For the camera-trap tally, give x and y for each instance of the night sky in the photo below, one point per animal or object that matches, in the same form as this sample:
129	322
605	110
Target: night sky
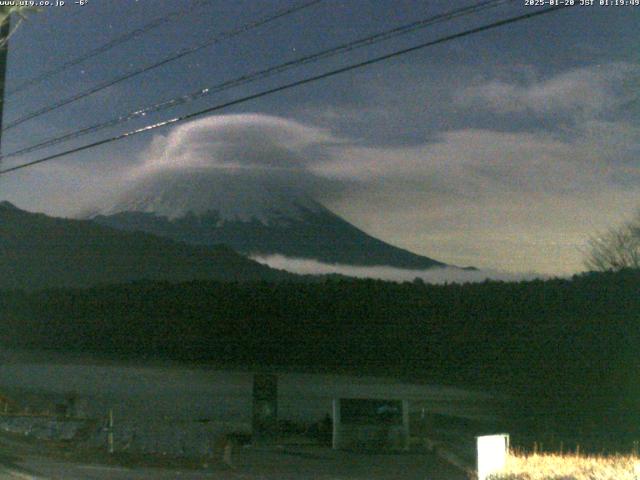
504	150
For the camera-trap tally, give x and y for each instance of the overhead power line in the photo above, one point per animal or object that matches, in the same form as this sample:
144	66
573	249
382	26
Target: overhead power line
262	74
287	86
23	85
175	56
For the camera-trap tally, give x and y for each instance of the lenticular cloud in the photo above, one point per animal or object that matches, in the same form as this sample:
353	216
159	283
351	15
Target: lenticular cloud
239	165
246	141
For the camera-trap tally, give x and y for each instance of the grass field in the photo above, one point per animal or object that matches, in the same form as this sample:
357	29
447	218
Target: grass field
570	467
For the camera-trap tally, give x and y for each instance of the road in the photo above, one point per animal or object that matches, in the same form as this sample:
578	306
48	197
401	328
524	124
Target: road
251	464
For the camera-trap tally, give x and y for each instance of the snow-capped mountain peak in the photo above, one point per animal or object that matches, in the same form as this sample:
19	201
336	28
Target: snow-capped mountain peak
252	213
230	198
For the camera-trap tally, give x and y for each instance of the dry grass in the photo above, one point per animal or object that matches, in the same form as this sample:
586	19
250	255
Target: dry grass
570	467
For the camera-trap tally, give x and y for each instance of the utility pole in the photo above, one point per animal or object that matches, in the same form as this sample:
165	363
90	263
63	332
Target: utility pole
5	32
4	51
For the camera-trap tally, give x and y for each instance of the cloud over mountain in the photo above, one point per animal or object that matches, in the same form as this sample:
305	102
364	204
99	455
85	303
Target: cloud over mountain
236	142
241	162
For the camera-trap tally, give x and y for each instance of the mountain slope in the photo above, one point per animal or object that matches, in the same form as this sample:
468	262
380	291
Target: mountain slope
321	236
37	251
254	216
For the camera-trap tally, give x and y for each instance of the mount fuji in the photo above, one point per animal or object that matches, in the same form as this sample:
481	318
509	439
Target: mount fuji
254	214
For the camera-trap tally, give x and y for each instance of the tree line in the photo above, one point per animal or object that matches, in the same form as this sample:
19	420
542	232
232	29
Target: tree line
564	346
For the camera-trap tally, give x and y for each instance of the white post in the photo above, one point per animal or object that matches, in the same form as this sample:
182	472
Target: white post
492	454
336	424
